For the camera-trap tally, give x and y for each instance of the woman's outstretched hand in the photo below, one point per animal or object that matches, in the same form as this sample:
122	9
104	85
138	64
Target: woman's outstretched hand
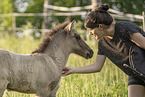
66	71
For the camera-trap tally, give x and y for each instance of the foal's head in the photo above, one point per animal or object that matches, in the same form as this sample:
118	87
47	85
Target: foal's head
75	44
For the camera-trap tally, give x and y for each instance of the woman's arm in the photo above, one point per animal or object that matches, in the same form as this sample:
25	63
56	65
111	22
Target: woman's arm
96	67
138	39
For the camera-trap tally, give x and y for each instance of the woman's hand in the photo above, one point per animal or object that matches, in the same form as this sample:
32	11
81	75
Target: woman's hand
66	71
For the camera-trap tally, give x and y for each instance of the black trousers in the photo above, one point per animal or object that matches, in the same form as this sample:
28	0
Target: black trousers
135	81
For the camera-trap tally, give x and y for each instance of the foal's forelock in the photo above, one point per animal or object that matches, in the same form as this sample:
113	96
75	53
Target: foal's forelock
45	42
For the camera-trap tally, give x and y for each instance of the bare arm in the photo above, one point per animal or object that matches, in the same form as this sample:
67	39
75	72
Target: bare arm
138	39
96	67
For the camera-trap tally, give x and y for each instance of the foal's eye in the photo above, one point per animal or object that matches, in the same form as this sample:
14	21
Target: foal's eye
78	37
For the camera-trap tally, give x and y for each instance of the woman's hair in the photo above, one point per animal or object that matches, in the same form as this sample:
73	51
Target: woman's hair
98	16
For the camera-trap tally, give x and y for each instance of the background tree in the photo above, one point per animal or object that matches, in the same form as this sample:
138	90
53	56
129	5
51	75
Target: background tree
33	6
36	6
127	6
6	6
69	3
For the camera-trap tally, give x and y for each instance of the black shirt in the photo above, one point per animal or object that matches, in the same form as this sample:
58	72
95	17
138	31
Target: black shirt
117	49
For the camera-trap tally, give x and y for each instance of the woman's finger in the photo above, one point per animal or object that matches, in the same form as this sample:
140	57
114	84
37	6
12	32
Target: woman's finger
65	73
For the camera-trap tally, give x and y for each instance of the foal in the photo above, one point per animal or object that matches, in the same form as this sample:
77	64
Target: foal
40	74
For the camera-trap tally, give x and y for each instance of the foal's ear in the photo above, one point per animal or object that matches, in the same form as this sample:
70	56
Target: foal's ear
70	26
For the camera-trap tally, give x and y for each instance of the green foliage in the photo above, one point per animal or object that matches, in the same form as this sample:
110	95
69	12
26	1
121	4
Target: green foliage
34	6
18	45
5	8
70	3
110	82
126	6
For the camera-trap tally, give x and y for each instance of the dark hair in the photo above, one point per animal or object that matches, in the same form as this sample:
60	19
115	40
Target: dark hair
98	16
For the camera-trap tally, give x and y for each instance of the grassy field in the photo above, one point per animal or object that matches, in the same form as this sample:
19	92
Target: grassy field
110	82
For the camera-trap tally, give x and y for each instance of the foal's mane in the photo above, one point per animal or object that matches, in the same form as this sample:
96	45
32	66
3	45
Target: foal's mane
49	37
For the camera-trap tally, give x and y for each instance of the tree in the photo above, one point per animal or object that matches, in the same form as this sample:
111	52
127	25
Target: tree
36	6
6	6
69	3
33	6
126	6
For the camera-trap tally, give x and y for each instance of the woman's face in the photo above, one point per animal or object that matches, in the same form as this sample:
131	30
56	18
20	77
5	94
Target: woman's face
96	32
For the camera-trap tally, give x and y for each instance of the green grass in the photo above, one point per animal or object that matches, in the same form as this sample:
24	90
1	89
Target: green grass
110	82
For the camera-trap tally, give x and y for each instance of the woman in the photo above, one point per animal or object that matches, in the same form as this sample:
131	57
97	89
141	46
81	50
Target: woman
115	42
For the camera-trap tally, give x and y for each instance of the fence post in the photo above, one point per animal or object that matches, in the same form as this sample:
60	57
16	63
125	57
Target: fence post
45	21
14	23
143	13
94	3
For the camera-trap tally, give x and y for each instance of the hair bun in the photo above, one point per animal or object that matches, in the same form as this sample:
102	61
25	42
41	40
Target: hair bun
102	8
105	7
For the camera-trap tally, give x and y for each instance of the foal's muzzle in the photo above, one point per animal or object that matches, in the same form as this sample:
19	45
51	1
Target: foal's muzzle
89	54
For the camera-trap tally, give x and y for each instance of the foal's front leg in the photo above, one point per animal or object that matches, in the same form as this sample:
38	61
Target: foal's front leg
43	92
3	86
47	92
3	82
54	91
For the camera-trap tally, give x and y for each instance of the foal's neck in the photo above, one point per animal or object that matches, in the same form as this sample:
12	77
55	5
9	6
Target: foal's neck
57	50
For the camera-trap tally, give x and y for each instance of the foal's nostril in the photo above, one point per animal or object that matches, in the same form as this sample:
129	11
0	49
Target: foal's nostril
91	53
88	55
